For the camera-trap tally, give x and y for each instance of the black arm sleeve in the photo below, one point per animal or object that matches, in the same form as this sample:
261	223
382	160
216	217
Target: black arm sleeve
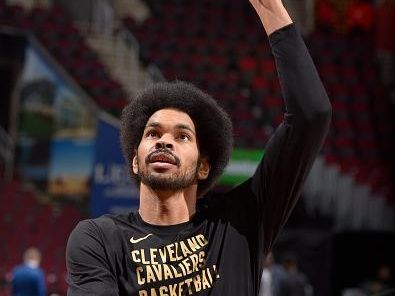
293	147
87	263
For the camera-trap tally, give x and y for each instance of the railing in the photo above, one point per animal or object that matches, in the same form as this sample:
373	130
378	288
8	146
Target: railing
129	40
101	23
350	205
154	73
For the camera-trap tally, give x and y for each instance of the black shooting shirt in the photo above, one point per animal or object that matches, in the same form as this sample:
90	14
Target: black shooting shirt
220	251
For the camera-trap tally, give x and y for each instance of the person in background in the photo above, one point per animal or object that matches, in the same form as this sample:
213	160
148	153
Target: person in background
28	278
381	283
272	276
295	282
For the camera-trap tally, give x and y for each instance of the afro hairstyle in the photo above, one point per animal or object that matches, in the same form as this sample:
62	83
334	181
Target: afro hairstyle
213	125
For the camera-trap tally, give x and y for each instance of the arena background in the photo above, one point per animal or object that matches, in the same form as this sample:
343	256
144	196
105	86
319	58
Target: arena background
67	68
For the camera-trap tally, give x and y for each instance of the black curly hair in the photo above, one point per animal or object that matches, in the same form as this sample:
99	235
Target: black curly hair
213	125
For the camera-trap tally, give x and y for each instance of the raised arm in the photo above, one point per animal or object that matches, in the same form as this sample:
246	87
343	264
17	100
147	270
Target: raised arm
289	154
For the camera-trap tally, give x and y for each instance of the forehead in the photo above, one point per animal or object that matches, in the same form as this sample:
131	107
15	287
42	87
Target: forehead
171	117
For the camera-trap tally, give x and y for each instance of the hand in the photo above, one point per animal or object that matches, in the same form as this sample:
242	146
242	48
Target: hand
266	4
272	13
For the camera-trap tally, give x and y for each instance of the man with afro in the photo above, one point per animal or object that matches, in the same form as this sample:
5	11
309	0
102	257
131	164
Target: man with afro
177	141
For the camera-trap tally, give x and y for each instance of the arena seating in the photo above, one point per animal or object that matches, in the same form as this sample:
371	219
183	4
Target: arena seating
26	222
216	54
220	46
64	41
229	56
361	131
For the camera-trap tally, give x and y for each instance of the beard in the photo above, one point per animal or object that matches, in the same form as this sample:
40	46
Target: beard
168	181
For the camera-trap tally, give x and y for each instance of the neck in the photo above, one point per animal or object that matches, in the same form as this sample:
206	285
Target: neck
167	207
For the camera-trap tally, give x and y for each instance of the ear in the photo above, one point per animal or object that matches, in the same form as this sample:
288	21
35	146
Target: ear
135	164
204	169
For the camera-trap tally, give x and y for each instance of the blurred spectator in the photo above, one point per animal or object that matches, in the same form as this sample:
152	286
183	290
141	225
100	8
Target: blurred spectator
382	283
294	283
272	275
28	279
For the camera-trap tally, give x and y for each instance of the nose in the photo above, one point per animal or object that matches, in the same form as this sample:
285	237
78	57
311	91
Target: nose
163	144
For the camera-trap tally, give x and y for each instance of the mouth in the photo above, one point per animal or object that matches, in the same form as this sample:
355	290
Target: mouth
162	157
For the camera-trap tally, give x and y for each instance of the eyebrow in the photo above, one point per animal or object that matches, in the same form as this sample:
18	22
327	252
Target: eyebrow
177	126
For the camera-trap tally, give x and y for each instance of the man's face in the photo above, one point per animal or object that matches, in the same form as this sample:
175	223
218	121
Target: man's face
167	157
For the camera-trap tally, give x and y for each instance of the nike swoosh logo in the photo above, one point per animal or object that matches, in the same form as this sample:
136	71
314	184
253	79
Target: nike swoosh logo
135	241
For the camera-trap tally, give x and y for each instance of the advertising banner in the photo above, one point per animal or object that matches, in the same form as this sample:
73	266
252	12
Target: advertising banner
113	191
36	117
242	165
56	130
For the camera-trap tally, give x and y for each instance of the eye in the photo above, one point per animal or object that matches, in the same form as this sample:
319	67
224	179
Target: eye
151	134
184	137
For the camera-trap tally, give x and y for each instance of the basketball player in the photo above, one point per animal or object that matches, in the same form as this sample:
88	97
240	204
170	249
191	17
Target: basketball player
177	141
